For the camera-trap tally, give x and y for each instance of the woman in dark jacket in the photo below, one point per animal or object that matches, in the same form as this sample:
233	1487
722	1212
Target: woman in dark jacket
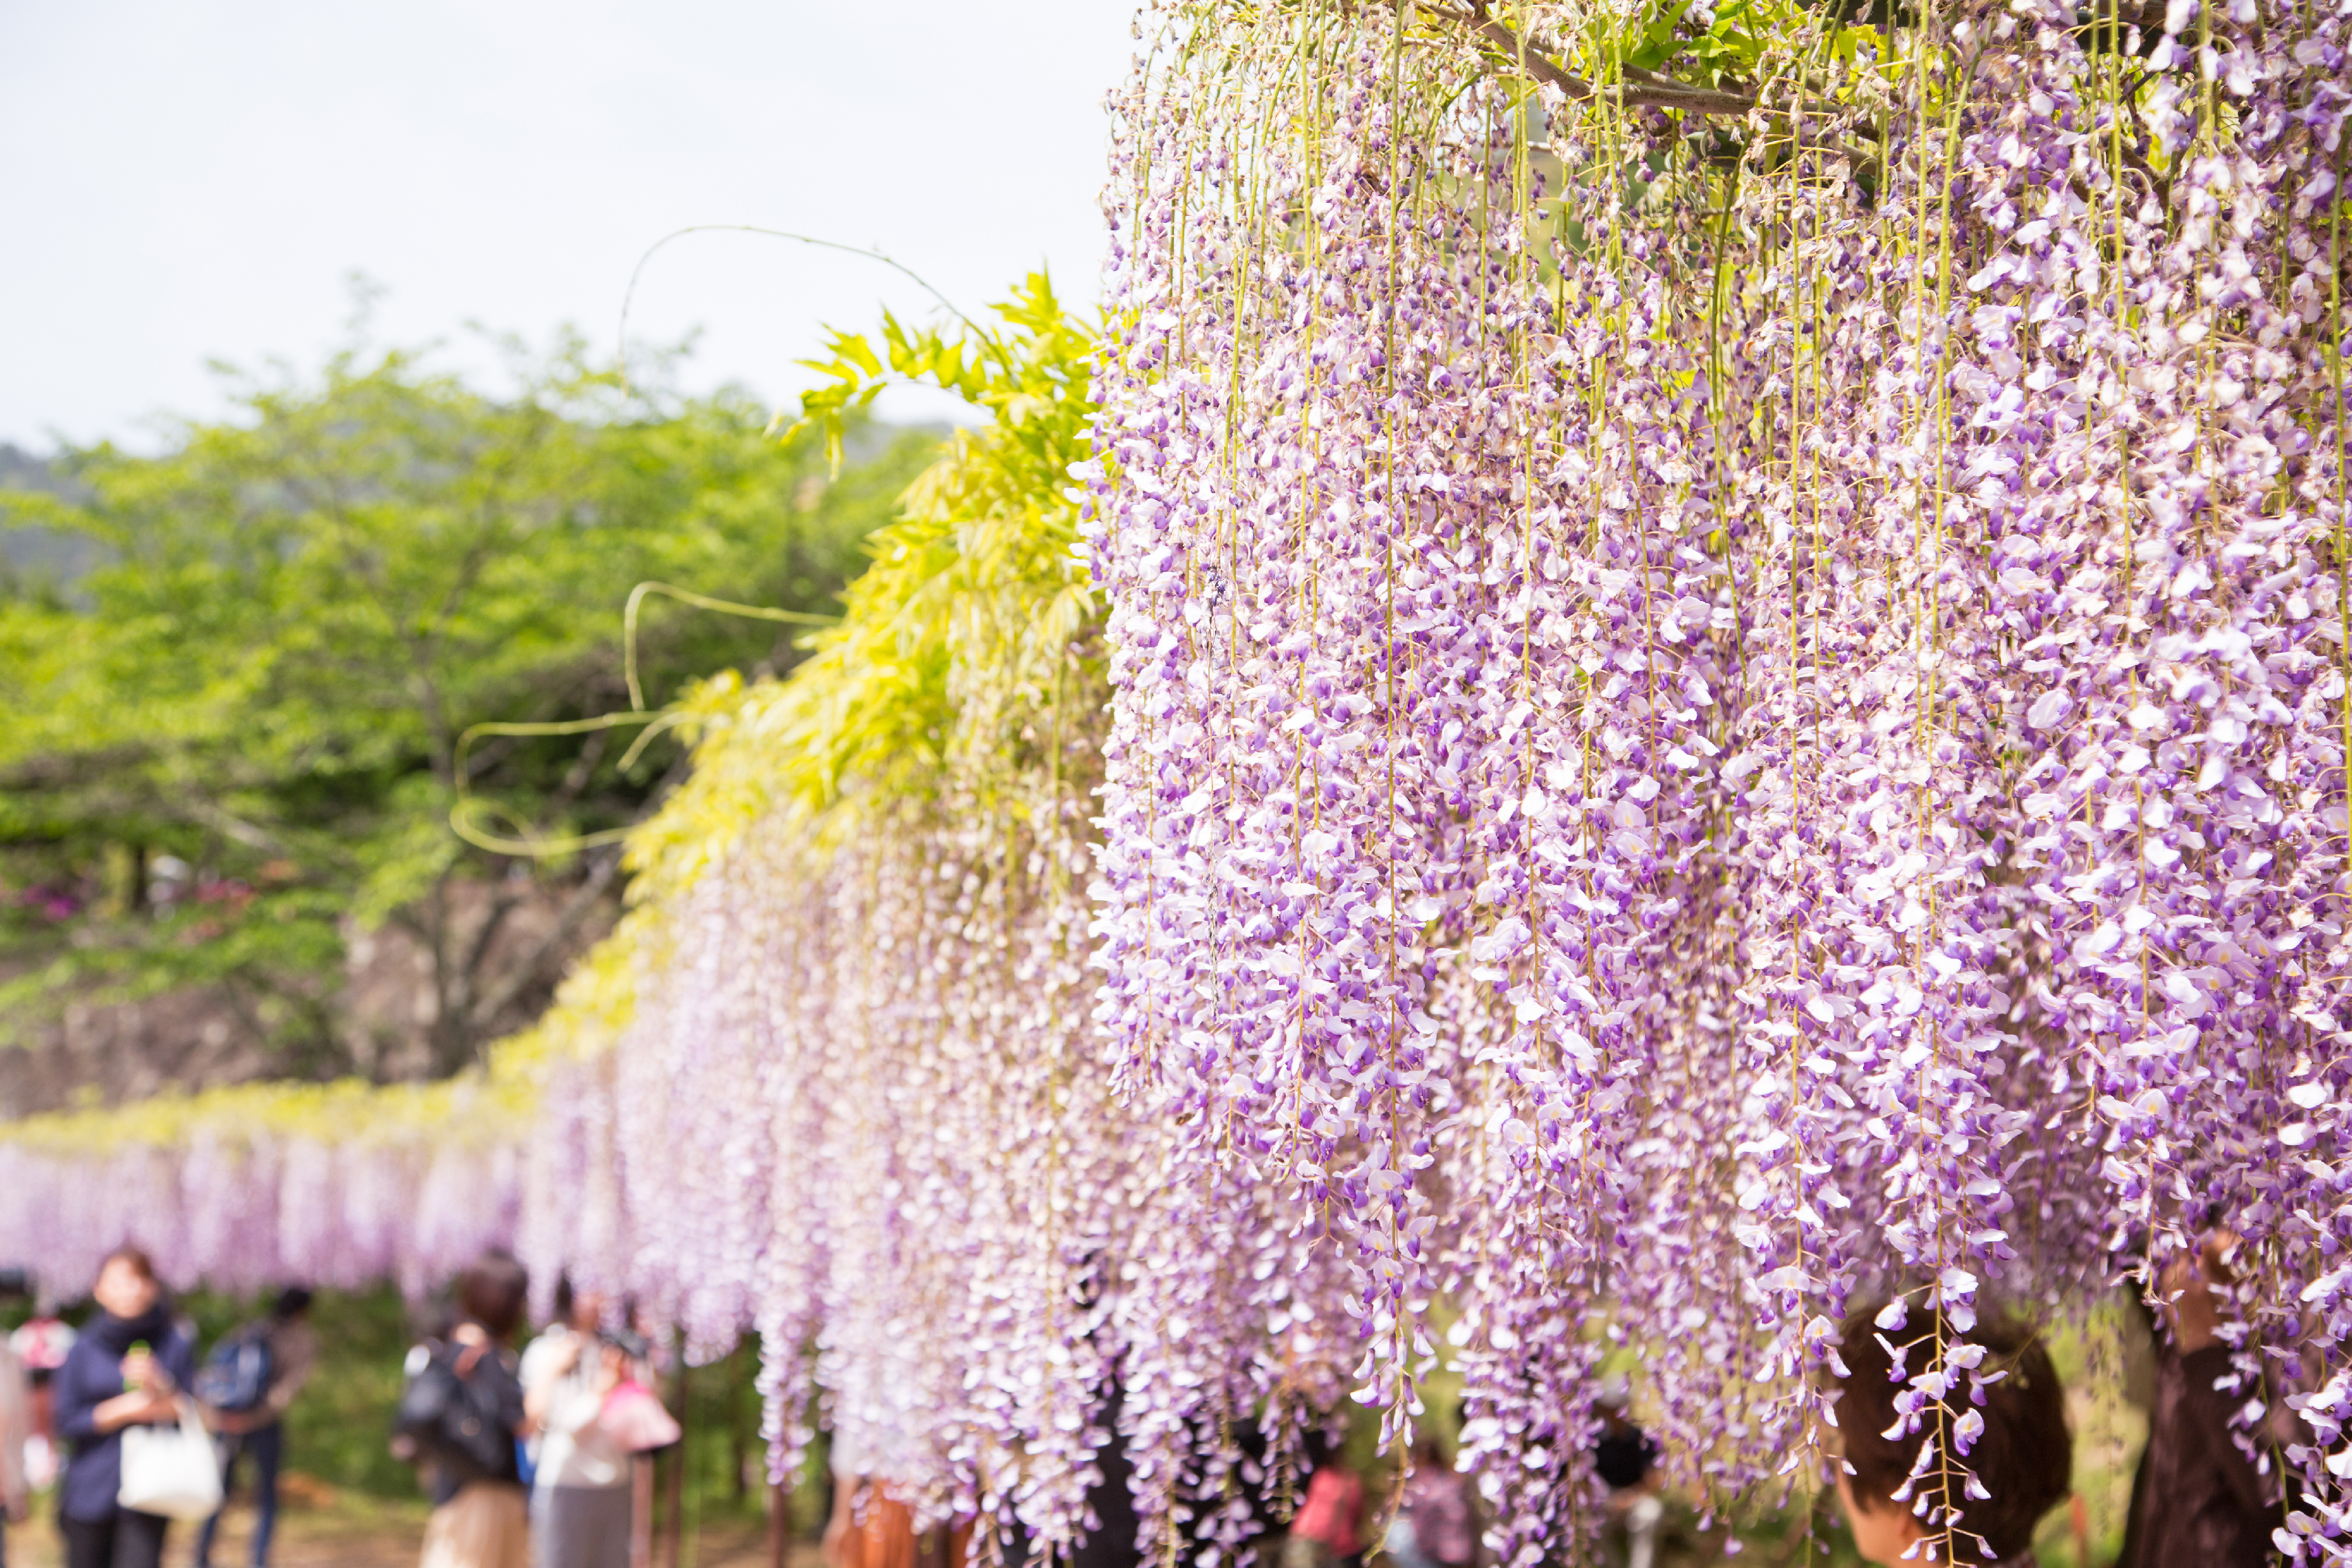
126	1369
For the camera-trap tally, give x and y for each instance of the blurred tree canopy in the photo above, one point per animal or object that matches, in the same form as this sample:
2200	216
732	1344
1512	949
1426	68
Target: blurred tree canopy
236	741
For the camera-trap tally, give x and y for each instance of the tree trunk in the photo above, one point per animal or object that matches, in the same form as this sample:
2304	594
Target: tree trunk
451	1042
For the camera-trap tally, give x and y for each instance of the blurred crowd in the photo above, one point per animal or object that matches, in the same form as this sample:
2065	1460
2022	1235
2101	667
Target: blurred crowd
529	1458
537	1457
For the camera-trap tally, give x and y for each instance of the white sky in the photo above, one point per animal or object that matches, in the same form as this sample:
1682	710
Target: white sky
194	180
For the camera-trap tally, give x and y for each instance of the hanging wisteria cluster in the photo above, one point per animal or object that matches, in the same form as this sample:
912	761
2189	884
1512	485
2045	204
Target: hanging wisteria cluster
247	1189
1729	693
860	1101
860	1107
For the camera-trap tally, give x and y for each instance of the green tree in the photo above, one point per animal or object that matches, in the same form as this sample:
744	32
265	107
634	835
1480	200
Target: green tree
264	686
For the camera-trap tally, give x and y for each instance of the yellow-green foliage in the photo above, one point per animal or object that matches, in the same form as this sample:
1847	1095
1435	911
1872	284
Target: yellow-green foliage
962	649
348	1111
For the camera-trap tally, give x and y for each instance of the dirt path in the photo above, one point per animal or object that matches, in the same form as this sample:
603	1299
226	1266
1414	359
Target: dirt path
364	1533
305	1540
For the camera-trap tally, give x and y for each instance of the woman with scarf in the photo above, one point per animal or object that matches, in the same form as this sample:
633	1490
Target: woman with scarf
126	1369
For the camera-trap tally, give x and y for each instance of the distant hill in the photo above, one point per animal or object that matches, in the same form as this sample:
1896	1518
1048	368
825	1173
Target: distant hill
41	554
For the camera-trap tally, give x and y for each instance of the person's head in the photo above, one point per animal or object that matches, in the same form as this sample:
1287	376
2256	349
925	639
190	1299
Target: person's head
492	1293
1317	1447
2023	1457
1612	1403
291	1303
126	1285
587	1312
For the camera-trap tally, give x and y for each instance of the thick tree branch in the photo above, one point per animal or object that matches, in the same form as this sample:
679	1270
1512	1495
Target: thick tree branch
1642	89
567	922
479	950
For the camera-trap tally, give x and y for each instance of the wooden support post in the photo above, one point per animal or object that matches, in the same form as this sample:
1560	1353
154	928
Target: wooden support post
674	1555
641	1511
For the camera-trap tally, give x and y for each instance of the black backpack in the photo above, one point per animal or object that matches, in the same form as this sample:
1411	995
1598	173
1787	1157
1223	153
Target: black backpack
456	1419
237	1376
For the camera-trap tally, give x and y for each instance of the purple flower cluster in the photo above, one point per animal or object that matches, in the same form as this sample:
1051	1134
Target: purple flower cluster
860	1106
246	1211
1712	722
856	1110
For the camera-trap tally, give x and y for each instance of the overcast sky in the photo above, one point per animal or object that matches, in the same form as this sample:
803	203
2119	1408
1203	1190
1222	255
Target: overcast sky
193	181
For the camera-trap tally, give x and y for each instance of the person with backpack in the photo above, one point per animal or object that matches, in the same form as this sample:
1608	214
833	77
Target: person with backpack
461	1411
126	1370
245	1389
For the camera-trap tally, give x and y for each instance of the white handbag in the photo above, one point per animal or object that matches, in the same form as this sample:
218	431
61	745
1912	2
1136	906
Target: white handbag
171	1470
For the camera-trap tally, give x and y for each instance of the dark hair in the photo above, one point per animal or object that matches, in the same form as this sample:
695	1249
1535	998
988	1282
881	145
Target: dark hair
292	1302
140	1264
563	1297
434	1319
2024	1457
492	1293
